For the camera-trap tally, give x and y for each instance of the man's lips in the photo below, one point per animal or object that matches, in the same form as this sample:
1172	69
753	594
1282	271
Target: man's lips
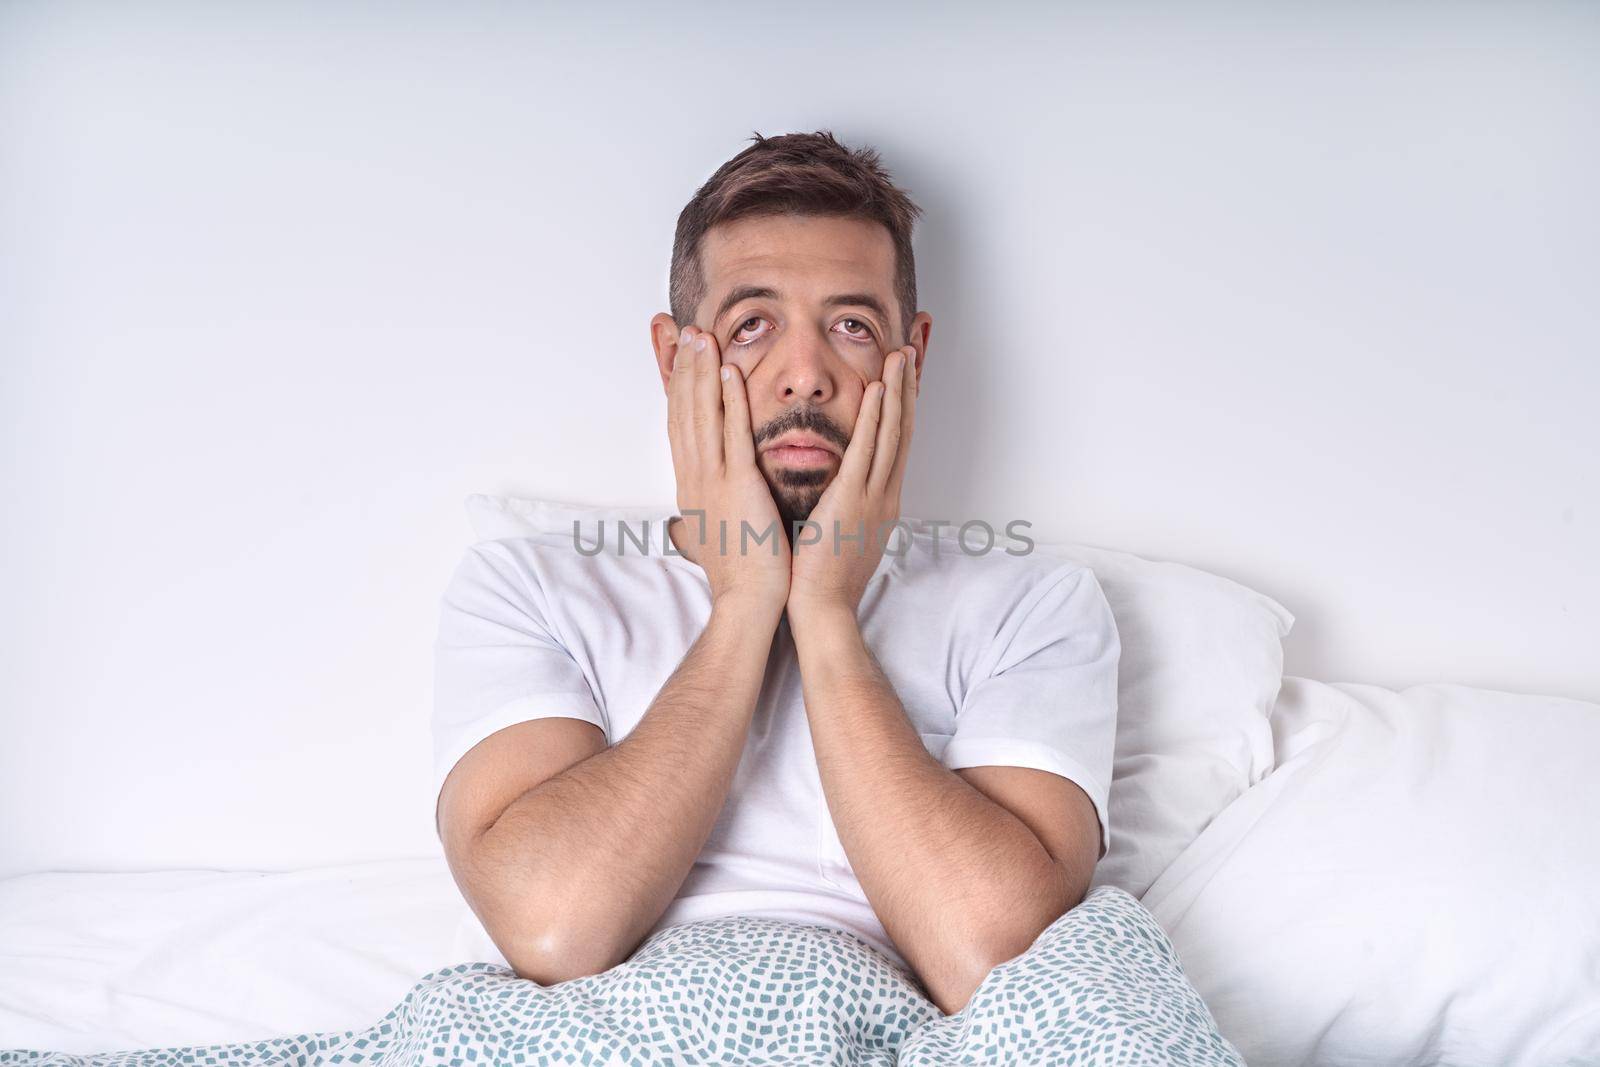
800	450
800	456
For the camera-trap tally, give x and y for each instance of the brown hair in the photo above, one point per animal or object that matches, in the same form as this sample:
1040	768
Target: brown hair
799	174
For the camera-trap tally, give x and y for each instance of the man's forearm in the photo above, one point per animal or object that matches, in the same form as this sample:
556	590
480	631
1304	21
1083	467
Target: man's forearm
591	857
959	883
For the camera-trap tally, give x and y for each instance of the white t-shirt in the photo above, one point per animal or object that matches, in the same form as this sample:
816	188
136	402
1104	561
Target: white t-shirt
998	659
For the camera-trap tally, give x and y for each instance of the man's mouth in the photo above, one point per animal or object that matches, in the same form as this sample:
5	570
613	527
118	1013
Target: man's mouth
800	456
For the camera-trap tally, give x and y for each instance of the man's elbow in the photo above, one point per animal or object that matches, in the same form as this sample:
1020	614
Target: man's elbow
557	941
542	930
552	957
1004	945
952	999
955	990
962	969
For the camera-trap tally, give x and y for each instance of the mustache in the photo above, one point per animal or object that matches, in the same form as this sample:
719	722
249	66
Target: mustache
803	418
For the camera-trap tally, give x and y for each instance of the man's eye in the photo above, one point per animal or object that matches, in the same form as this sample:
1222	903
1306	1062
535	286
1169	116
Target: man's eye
865	333
740	328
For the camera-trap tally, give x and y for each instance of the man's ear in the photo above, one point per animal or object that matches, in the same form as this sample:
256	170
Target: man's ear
664	338
917	337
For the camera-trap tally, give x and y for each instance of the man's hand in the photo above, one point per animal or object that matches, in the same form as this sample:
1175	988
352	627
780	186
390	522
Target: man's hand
831	572
714	457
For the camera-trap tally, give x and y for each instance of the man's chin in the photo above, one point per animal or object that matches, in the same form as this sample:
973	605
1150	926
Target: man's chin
795	512
796	492
795	505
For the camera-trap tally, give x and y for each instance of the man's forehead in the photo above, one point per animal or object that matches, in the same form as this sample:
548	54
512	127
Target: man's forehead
800	257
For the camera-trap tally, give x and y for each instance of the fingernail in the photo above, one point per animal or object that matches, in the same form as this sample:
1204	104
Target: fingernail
700	342
725	372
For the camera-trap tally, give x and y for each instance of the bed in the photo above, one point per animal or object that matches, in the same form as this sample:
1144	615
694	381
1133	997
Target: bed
1349	874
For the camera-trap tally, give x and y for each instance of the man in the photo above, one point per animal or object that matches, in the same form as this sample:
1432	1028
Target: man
888	734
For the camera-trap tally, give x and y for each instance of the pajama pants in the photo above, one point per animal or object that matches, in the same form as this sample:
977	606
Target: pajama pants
1101	985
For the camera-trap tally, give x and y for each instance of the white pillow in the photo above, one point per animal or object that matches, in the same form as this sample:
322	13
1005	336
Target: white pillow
1202	657
1416	882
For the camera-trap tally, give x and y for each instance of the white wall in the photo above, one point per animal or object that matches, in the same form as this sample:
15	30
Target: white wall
1305	297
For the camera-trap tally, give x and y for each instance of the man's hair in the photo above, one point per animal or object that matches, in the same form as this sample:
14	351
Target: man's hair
794	174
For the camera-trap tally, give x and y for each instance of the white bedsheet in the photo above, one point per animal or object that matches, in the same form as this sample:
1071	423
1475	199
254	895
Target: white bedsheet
106	962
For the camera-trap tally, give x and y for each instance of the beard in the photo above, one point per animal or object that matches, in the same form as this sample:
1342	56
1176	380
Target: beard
796	493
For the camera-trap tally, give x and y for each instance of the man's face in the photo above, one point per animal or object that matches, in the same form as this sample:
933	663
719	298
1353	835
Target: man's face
805	307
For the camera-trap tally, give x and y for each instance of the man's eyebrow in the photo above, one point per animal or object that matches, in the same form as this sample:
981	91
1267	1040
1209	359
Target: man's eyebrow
741	293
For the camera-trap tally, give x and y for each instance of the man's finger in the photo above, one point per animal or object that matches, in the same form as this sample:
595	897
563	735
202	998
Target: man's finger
863	438
738	438
908	421
883	458
680	405
707	400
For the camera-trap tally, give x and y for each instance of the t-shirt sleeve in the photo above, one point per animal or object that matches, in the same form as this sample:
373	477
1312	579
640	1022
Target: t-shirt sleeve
1047	697
496	660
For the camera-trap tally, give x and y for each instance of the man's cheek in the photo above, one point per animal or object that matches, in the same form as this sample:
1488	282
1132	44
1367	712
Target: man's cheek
746	361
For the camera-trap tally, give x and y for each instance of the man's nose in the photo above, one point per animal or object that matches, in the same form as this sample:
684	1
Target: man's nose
803	361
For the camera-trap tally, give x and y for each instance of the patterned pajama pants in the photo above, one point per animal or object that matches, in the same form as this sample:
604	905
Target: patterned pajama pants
1101	985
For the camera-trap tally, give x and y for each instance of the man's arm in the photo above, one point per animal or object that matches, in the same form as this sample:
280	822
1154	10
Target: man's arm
959	882
573	873
576	870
